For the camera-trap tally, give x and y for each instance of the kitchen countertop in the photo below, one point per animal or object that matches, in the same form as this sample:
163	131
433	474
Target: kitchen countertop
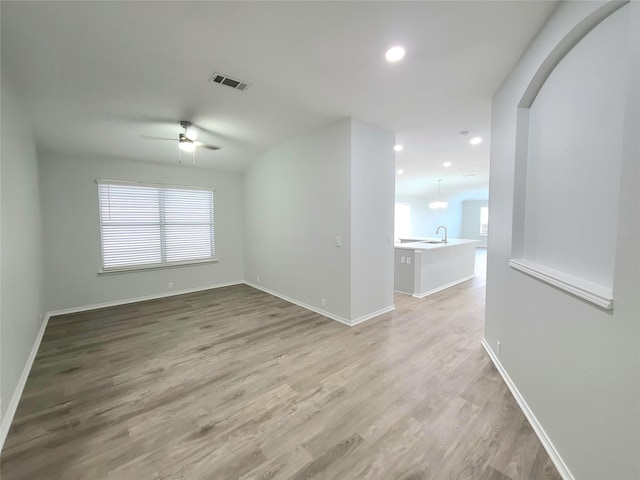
452	242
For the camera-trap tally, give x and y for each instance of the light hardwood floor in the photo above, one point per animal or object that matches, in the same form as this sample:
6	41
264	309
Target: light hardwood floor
236	384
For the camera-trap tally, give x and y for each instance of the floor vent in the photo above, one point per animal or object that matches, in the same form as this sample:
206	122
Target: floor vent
228	81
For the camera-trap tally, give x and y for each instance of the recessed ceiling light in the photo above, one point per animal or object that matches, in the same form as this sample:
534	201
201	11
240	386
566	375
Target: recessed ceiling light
475	141
446	164
394	54
398	148
399	171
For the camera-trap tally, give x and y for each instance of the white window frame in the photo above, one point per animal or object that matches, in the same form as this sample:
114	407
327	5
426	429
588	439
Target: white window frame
163	264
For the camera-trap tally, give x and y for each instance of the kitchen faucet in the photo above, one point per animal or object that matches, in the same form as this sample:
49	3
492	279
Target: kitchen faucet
444	240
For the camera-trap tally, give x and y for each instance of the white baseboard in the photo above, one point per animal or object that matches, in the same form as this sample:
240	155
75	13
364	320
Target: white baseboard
562	468
115	303
7	418
319	311
443	287
369	316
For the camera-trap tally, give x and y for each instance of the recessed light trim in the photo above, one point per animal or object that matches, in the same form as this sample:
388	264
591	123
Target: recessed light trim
446	164
475	141
398	148
394	54
400	171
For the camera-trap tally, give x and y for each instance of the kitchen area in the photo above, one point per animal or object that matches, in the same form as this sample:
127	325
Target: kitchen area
424	266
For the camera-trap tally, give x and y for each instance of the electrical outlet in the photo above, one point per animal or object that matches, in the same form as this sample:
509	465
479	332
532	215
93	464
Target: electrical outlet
390	240
408	260
499	352
323	302
403	260
170	286
258	279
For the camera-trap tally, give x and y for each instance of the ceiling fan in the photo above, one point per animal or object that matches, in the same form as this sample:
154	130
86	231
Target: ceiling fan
187	141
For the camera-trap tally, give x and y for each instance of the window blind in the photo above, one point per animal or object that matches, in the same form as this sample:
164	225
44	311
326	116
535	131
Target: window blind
146	225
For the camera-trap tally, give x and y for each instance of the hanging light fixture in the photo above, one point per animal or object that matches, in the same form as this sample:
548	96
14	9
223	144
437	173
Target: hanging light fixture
438	203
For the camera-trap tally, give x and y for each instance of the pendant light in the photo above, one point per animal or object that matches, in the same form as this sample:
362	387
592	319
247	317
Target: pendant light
437	204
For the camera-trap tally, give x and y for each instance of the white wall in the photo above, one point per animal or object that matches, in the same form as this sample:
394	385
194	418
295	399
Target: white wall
21	239
574	151
575	365
72	231
470	225
372	210
297	203
334	182
425	220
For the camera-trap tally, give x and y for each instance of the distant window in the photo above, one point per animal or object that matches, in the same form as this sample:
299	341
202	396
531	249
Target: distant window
402	228
484	220
146	225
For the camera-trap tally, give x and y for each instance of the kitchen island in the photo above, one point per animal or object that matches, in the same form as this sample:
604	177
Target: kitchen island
429	265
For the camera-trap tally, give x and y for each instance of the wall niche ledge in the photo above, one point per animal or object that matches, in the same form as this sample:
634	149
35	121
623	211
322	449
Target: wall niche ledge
579	287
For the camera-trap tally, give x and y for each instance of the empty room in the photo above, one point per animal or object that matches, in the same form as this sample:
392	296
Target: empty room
330	240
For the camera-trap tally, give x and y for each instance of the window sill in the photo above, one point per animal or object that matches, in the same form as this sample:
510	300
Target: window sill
112	271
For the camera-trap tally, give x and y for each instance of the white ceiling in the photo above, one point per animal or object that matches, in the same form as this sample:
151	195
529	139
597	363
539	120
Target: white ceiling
95	77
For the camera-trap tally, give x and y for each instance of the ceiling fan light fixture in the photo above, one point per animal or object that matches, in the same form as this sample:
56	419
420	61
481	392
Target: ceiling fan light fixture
191	133
186	145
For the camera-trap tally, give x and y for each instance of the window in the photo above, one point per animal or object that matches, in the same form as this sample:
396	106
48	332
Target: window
402	225
147	225
484	220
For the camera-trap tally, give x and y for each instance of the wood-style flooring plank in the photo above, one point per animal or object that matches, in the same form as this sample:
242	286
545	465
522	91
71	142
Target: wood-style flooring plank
237	384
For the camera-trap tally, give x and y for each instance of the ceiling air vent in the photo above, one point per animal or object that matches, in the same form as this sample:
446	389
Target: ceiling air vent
228	81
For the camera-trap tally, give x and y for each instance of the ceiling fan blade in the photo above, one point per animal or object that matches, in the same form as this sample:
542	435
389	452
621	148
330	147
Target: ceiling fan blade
153	137
208	131
210	147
